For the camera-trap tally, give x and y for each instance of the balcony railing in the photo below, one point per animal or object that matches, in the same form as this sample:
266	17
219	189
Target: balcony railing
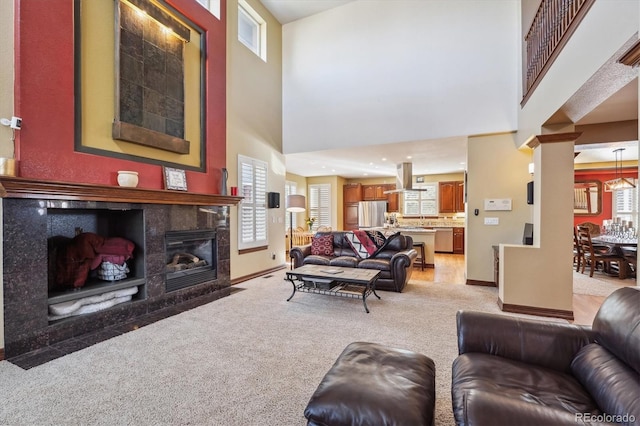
552	27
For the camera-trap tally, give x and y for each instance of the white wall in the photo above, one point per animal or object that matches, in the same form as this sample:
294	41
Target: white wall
380	71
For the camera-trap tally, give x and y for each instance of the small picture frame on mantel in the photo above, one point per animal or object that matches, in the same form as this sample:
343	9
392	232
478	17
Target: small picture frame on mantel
175	179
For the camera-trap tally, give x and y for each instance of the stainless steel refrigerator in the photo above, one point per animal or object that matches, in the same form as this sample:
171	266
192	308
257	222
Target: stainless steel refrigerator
371	213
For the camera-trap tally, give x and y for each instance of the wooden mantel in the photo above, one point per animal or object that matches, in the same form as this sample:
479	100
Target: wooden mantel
15	187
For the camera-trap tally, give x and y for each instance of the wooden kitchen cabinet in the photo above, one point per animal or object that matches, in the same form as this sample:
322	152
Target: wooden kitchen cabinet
352	193
459	197
451	195
458	240
351	196
392	199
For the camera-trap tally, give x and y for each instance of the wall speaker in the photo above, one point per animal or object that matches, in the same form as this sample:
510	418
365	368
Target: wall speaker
530	192
273	200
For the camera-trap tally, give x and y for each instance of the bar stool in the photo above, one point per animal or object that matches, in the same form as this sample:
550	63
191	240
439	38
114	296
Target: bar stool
422	256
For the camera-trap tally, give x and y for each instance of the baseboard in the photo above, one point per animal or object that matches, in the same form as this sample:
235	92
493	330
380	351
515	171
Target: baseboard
481	283
532	310
257	274
1	354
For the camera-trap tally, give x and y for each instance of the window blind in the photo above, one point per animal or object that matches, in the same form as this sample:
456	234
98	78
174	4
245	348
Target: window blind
252	210
320	204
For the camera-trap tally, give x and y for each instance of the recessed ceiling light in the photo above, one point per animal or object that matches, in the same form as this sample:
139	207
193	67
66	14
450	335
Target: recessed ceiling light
366	174
408	157
371	163
384	159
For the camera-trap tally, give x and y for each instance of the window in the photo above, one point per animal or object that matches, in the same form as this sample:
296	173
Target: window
320	204
252	210
252	30
212	6
625	204
290	188
421	203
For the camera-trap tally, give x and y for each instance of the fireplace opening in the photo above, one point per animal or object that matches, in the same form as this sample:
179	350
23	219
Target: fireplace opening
190	258
95	260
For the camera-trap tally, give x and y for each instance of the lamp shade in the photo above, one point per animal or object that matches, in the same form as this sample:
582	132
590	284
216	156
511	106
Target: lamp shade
296	203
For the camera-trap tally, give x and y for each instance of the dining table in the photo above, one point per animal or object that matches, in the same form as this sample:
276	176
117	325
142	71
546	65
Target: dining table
618	246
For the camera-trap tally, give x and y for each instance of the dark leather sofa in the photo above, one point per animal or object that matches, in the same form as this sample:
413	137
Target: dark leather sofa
395	261
514	371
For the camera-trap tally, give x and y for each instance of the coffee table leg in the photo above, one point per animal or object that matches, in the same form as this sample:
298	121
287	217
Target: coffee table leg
294	287
364	297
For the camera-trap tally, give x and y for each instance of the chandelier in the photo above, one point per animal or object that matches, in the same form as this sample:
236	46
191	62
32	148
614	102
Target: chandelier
619	183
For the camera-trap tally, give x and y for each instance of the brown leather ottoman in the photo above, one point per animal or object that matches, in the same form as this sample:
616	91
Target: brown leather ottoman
371	384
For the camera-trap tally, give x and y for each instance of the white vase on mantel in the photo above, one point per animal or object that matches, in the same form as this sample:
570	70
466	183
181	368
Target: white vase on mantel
127	178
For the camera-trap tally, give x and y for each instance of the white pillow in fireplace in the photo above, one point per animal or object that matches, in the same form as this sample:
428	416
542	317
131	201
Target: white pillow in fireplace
65	308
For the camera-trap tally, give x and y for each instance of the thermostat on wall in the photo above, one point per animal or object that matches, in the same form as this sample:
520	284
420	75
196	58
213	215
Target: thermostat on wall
492	204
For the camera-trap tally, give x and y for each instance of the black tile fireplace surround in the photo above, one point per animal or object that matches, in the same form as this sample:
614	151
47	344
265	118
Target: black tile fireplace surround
31	217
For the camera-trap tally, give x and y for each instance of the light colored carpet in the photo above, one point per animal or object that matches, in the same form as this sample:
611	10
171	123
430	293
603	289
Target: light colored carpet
598	285
248	359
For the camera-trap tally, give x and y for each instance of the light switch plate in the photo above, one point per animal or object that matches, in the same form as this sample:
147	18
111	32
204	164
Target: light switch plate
491	221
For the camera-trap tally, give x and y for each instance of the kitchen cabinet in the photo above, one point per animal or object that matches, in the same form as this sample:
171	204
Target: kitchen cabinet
458	240
351	196
392	199
352	193
377	193
451	196
374	192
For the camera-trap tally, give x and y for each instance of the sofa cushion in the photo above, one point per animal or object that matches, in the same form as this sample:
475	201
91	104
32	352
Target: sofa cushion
322	245
317	260
614	386
346	261
617	325
377	264
517	381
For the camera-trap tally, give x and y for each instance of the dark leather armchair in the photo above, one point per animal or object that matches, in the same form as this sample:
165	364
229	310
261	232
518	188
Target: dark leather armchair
529	372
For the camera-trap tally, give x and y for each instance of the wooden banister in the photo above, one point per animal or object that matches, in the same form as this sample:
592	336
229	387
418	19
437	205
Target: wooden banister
550	30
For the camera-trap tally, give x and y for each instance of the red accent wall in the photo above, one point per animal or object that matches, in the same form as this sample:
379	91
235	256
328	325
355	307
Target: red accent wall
44	99
602	176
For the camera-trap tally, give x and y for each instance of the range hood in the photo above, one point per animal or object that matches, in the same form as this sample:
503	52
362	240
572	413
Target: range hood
404	179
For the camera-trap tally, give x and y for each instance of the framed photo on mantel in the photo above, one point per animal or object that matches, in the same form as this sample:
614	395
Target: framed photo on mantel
175	179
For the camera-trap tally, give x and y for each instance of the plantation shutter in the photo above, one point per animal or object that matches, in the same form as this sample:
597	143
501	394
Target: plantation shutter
252	209
320	204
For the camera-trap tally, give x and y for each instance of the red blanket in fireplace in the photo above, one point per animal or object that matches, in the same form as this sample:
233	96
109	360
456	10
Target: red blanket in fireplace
84	253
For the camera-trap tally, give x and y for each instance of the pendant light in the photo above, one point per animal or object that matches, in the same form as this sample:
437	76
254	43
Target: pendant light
619	183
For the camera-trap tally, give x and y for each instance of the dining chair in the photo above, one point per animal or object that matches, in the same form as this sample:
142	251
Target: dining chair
324	228
578	254
594	257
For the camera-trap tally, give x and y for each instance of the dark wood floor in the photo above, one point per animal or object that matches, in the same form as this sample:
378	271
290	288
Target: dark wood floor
450	269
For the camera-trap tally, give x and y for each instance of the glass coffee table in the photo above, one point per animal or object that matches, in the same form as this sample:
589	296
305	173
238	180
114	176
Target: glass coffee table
334	281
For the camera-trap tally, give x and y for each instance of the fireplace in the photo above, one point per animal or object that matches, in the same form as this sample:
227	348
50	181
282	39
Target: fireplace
34	212
191	258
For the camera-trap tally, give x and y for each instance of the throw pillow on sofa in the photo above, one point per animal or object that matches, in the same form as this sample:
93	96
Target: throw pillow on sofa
367	243
322	245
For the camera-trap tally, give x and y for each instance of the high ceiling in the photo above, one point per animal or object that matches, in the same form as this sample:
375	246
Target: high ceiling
434	156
